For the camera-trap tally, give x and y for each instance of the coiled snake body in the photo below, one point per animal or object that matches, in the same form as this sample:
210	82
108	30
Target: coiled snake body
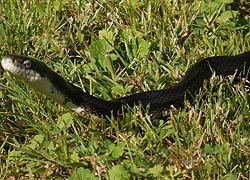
36	74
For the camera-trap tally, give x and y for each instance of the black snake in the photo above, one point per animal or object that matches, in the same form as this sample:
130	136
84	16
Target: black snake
36	74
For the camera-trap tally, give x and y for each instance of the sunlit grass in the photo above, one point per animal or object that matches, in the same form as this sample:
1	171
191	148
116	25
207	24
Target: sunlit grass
114	49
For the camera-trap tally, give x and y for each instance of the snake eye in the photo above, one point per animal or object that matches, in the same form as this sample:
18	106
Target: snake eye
27	63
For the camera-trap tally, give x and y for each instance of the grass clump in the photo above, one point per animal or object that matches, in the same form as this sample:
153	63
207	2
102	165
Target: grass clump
113	49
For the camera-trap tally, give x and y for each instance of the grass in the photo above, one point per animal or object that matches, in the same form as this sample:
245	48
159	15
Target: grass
113	49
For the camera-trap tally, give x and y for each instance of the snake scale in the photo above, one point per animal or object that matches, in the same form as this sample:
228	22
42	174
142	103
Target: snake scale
36	74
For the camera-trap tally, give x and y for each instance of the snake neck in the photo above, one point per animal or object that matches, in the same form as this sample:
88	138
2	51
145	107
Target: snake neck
74	98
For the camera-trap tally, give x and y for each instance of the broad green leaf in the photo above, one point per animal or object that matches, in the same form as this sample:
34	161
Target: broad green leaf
65	121
39	138
107	35
119	89
230	177
227	16
117	150
225	1
82	174
156	170
213	149
118	173
74	156
51	146
143	48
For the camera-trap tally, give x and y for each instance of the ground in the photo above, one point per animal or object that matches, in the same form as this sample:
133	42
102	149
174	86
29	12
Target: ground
113	49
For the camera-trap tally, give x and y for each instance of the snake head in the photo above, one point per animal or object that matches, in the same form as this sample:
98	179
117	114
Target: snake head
23	67
29	70
37	75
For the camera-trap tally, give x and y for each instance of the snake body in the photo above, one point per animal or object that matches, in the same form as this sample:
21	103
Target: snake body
41	78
